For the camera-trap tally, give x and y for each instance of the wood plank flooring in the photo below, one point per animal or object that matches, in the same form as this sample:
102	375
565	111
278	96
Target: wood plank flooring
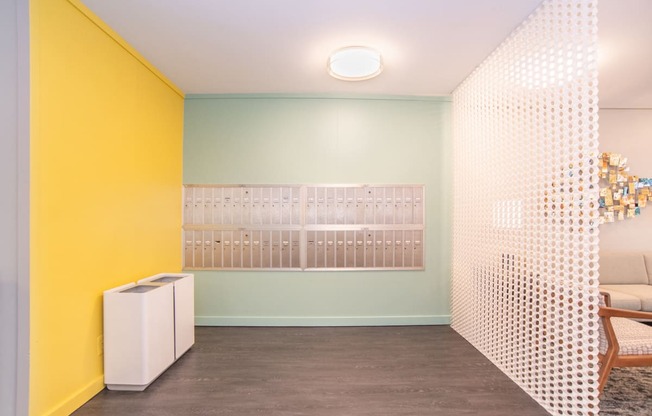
343	371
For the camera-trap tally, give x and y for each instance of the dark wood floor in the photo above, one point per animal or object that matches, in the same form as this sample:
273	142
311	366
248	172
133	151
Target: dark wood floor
370	371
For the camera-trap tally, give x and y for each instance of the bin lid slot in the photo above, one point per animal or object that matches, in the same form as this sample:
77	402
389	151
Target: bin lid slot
139	289
167	279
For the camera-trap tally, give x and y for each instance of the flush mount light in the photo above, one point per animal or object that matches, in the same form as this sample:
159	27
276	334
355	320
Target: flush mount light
355	63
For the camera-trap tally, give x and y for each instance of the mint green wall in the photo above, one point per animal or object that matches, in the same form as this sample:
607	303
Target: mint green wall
287	140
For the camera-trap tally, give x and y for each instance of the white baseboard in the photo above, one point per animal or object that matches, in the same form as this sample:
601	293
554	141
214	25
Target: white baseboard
322	320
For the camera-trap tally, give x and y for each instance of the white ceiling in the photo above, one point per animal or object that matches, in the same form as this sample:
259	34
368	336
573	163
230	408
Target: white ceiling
429	46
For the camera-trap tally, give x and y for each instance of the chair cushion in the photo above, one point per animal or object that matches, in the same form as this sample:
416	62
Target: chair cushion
643	292
620	299
623	268
633	337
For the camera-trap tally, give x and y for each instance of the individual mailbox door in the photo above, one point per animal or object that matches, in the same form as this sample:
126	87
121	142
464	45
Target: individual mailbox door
217	201
218	245
340	249
286	206
311	248
369	247
369	203
188	205
322	251
276	249
256	206
322	208
359	205
408	252
189	245
256	249
296	207
198	206
379	248
295	249
349	251
418	249
214	215
359	241
236	205
207	249
398	248
311	206
408	209
418	205
286	249
331	251
389	206
389	249
246	249
245	205
331	217
207	211
266	206
379	206
340	206
276	206
227	208
266	249
236	250
198	253
227	250
399	215
349	206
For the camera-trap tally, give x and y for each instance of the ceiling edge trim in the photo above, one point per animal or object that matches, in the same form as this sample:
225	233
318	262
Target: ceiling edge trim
124	44
324	96
626	108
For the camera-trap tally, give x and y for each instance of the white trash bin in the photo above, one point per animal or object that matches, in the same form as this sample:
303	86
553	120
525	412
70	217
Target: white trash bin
138	335
184	307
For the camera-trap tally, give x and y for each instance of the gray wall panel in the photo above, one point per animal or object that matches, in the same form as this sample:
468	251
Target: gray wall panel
14	207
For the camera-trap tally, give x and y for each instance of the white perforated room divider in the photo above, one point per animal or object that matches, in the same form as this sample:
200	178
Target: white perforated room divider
525	243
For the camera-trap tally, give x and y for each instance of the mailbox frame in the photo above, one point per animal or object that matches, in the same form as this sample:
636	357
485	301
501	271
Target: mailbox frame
309	227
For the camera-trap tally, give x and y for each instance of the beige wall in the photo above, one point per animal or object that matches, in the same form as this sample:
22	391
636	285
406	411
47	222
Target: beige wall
628	132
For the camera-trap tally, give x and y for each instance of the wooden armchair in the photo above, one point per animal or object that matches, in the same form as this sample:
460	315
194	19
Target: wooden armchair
623	341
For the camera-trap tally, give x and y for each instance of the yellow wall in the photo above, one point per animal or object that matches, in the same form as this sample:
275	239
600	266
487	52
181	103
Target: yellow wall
106	151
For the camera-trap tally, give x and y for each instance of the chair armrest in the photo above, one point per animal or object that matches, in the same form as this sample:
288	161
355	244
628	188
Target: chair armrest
623	313
607	298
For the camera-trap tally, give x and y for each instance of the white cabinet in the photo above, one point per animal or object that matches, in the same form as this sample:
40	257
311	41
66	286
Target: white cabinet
183	285
147	326
138	335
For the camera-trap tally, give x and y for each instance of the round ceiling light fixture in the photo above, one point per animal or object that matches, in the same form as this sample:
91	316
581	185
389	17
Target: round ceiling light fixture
355	63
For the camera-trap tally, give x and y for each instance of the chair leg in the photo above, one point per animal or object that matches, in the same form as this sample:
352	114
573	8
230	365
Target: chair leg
607	364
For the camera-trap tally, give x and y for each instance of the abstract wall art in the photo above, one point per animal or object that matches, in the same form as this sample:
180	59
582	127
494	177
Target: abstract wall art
621	195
